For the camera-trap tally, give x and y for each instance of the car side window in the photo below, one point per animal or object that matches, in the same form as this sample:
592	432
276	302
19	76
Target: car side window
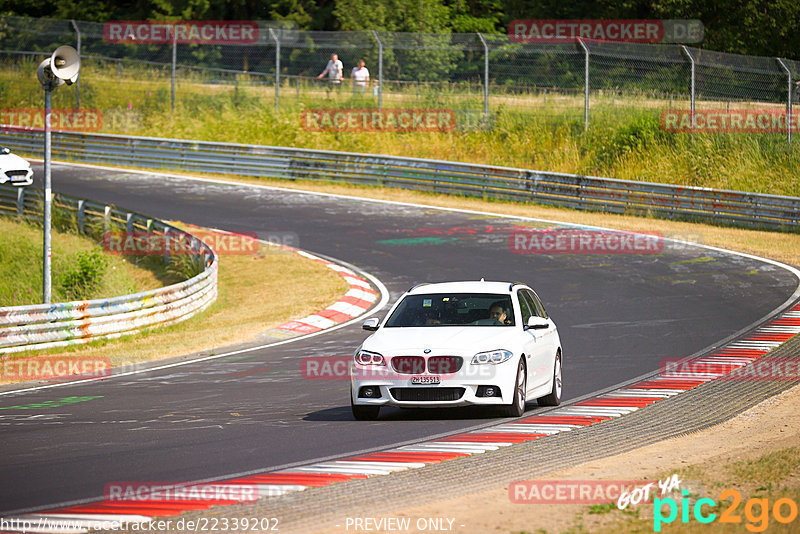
535	303
524	308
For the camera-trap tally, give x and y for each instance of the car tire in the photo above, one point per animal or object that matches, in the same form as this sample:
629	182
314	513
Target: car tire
364	413
517	406
554	398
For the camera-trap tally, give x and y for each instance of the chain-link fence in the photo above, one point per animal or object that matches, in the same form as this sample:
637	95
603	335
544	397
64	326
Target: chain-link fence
476	72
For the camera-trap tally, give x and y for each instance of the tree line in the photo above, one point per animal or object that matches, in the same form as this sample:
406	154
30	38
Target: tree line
755	27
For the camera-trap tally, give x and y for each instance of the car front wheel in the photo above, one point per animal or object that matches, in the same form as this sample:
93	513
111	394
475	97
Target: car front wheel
364	413
554	398
517	406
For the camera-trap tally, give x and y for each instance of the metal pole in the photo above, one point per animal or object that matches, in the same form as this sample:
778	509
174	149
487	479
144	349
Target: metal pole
692	86
788	101
485	76
585	86
46	250
380	69
78	83
277	67
174	62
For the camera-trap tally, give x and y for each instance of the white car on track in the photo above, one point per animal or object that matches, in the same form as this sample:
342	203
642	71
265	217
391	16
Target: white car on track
458	344
13	169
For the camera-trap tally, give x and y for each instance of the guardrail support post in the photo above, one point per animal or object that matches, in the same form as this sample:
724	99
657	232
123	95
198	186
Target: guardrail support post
78	83
166	245
20	201
380	69
585	85
275	38
692	82
82	216
485	76
129	223
107	219
788	101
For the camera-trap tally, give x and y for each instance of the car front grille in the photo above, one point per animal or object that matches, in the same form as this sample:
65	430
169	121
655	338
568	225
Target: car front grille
427	394
409	365
436	365
22	173
444	365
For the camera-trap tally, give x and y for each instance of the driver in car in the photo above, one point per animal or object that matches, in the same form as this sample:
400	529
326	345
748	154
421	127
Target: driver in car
498	313
497	316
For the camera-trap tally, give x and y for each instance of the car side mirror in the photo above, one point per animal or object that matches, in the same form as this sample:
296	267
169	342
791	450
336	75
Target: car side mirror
537	323
371	324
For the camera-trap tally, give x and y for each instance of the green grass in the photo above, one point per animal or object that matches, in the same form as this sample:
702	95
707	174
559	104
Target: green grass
536	130
80	269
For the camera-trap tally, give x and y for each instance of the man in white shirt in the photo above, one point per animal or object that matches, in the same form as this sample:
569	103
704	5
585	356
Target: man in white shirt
360	77
334	70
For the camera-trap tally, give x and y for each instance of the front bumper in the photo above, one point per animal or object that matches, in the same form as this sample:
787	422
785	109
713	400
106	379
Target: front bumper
459	389
17	177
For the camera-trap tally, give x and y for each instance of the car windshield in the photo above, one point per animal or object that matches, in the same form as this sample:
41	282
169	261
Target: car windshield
453	309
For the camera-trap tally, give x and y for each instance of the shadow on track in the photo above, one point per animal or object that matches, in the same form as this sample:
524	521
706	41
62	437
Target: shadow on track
343	413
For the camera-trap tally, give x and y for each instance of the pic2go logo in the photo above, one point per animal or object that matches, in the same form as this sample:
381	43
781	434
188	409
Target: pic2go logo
756	511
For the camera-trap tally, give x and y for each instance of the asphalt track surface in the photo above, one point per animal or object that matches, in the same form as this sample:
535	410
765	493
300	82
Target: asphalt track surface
619	316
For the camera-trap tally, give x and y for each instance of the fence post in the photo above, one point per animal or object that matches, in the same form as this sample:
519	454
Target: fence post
174	66
788	101
78	83
485	76
275	38
692	83
585	86
380	69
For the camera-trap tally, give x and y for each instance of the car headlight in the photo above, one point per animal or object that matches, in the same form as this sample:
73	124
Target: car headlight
363	357
492	357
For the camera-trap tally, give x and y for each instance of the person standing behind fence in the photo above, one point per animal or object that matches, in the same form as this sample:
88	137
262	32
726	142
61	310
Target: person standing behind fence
334	70
360	77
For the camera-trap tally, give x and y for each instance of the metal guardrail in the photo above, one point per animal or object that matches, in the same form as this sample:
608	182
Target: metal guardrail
45	326
551	188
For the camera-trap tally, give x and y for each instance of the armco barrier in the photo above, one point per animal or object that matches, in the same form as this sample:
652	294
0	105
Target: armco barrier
44	326
558	189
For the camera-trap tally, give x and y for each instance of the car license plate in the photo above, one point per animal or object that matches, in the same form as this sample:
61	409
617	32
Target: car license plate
425	380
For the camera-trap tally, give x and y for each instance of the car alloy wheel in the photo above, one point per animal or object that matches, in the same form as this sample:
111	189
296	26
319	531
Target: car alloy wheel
517	406
554	398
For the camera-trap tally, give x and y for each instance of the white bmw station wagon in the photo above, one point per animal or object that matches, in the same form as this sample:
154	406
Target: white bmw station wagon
457	344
